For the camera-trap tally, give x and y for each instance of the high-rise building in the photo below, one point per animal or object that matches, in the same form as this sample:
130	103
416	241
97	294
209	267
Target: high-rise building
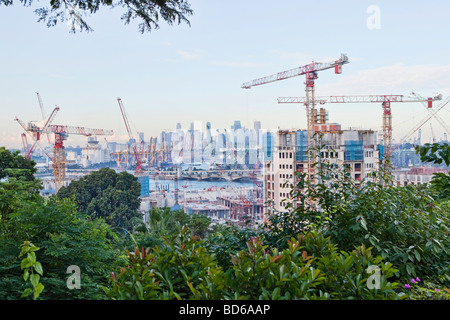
257	125
237	125
285	153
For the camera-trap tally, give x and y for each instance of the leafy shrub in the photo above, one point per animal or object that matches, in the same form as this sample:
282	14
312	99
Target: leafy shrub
180	269
402	224
226	240
309	267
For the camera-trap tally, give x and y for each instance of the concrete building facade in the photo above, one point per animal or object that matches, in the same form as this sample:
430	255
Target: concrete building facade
286	154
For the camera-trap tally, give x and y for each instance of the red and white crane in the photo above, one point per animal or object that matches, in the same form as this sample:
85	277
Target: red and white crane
61	133
36	133
433	112
310	72
385	101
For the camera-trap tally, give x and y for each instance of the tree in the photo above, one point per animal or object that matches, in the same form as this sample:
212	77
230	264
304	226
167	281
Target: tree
164	221
108	195
149	12
65	238
437	153
402	224
12	164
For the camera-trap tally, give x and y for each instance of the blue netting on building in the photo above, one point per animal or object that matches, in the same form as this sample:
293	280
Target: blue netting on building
380	148
354	150
301	146
145	185
268	146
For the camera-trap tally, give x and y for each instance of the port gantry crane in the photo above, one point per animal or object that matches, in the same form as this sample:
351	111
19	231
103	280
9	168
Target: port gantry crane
310	72
137	153
385	101
61	133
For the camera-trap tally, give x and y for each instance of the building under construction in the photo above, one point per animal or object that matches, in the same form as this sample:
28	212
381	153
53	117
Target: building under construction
288	154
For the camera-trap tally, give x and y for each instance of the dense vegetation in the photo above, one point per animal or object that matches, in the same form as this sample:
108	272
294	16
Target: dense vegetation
346	240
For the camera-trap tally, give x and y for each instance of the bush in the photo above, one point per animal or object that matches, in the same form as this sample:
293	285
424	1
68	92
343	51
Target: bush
402	224
309	267
180	269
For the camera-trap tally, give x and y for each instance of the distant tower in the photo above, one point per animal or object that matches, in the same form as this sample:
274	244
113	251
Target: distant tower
419	137
178	126
257	126
208	132
237	125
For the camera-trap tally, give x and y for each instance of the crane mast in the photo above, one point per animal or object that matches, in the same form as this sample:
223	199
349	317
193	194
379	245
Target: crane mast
310	71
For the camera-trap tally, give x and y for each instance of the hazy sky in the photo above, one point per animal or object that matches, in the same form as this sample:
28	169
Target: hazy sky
185	74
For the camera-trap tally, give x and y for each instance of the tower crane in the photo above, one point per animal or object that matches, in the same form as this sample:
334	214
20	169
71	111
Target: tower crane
36	132
433	112
41	105
385	101
61	133
310	72
437	117
137	154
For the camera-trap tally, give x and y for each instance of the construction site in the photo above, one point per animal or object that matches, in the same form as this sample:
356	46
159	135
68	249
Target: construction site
246	174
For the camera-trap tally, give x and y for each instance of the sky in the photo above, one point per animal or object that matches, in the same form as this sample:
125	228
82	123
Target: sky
182	74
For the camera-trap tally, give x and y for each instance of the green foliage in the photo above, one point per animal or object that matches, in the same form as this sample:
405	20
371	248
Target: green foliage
419	290
437	153
13	165
32	269
226	240
64	236
182	268
402	224
309	268
107	195
164	221
149	12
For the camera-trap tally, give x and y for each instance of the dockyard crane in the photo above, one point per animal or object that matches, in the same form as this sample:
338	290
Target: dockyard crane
385	101
432	133
310	71
25	145
137	154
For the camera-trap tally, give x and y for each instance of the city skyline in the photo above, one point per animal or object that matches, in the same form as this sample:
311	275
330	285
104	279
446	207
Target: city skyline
182	74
